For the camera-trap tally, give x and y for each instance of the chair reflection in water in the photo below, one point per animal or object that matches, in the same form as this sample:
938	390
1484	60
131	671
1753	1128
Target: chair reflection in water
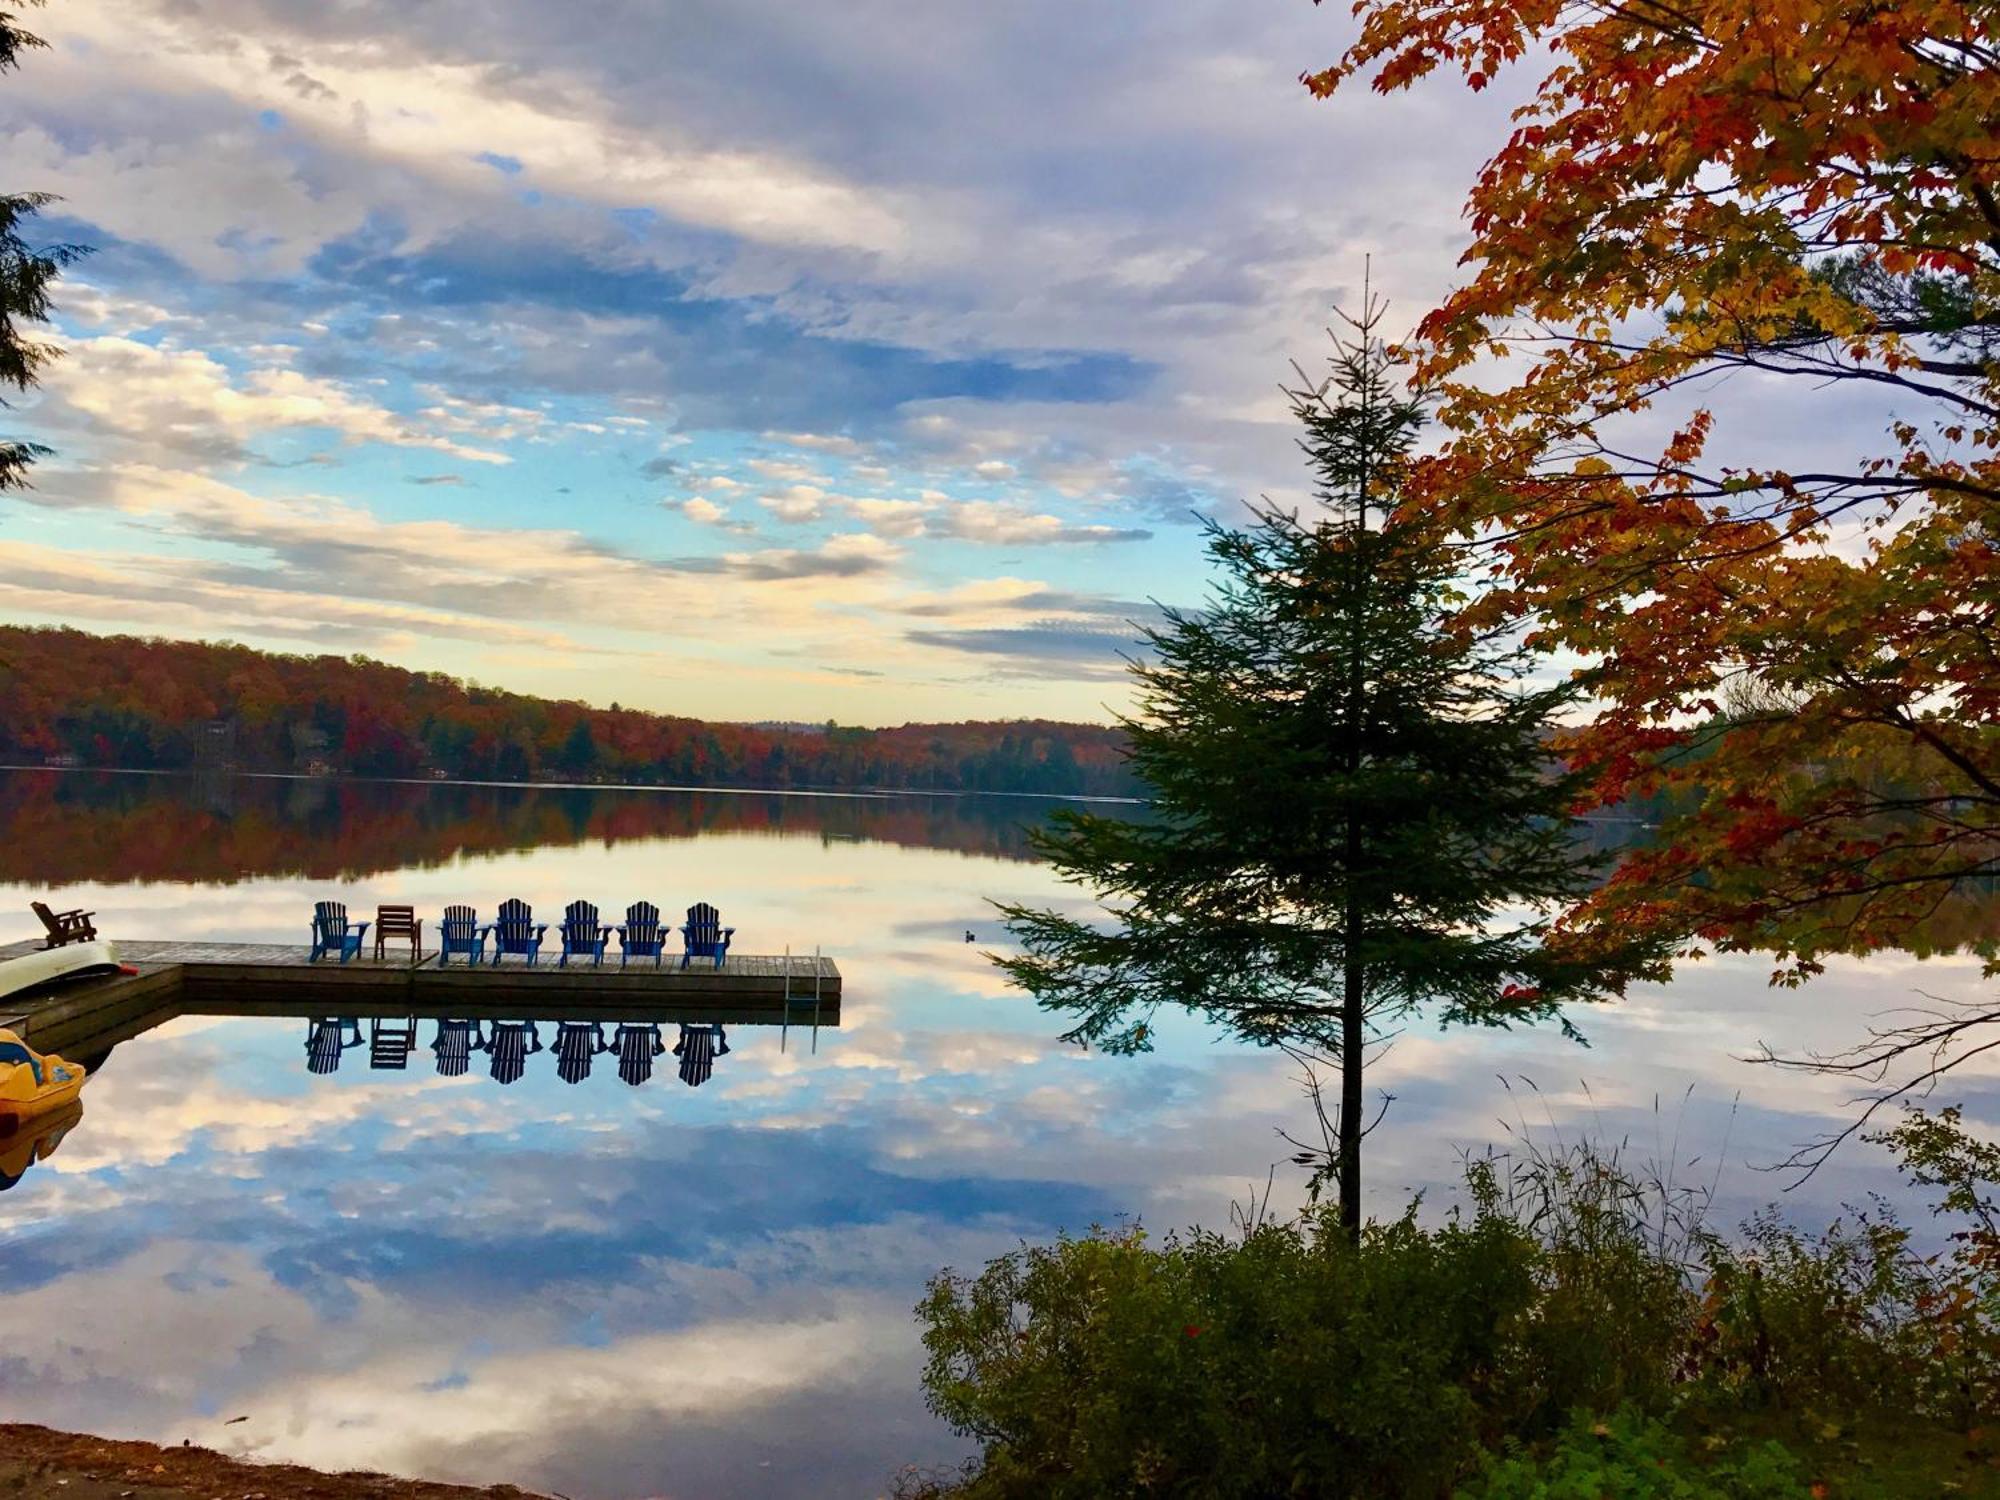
390	1042
509	1045
327	1038
577	1042
698	1049
455	1044
637	1045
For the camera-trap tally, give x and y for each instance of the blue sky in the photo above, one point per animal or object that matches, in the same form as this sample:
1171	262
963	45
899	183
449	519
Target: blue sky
730	359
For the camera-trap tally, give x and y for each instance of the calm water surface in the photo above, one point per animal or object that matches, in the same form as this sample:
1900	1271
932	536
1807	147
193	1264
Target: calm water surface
616	1292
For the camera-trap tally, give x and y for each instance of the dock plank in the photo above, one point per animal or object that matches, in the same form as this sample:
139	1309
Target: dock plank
207	977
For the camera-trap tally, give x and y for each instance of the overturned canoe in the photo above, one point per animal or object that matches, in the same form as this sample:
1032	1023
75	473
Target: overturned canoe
46	966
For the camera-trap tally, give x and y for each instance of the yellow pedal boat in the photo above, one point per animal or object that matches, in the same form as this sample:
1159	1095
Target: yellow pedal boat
36	1141
31	1084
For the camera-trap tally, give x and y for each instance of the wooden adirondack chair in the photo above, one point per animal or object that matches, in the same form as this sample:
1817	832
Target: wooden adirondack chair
582	934
642	936
705	936
510	1046
455	1044
516	931
577	1042
460	932
391	1042
326	1039
698	1049
332	932
637	1045
399	922
64	927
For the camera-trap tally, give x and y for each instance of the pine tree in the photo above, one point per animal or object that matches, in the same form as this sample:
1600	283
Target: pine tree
25	274
1355	812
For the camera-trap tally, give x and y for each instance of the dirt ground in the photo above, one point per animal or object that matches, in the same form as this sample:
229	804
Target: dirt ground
39	1464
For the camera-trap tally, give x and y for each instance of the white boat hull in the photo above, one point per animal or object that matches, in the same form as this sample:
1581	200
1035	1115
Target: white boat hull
47	966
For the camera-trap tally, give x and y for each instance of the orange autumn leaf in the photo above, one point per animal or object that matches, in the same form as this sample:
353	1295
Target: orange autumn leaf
1796	653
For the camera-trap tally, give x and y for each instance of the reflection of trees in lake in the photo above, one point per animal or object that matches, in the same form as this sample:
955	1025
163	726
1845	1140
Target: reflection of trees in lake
59	828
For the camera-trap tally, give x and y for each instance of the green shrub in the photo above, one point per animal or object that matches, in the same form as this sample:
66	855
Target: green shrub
1629	1457
1290	1360
1287	1361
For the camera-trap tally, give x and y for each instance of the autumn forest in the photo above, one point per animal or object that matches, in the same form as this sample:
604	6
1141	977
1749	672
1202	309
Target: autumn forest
69	698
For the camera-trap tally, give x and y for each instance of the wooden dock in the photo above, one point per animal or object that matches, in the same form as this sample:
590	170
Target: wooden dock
276	979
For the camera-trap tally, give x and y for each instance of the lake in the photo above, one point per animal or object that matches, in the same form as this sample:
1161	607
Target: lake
615	1291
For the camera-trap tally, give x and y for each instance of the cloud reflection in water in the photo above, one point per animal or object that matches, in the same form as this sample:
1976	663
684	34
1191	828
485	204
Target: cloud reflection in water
616	1291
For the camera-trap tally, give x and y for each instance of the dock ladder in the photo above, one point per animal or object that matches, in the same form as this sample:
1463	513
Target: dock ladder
790	1000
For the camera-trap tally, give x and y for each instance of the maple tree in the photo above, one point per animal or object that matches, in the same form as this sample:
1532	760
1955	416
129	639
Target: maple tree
1798	657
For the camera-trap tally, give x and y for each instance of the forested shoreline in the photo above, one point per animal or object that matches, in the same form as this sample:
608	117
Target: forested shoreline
70	698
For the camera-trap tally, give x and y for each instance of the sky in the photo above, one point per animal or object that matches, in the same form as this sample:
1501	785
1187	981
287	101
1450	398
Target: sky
874	362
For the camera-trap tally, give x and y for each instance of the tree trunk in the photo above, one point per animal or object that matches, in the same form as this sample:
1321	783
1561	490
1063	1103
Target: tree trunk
1350	1091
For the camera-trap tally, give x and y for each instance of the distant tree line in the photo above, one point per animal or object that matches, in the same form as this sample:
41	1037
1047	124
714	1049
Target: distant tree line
71	698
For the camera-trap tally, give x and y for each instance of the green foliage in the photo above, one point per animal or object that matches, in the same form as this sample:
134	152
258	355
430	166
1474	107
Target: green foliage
1573	1335
1936	1152
1294	1359
1341	780
1817	1325
1630	1457
26	273
1357	811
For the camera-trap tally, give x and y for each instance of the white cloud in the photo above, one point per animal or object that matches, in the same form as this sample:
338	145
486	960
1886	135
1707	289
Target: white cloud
431	120
154	398
992	522
784	469
896	518
703	512
819	442
795	503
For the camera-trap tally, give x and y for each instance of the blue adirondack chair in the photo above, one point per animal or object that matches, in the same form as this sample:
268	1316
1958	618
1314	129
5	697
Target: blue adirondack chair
582	934
455	1044
326	1039
637	1045
642	936
460	932
698	1049
510	1045
577	1042
333	934
516	931
705	936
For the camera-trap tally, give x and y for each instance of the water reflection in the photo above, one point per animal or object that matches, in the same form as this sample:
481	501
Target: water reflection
613	1291
36	1140
67	827
508	1047
326	1039
577	1045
